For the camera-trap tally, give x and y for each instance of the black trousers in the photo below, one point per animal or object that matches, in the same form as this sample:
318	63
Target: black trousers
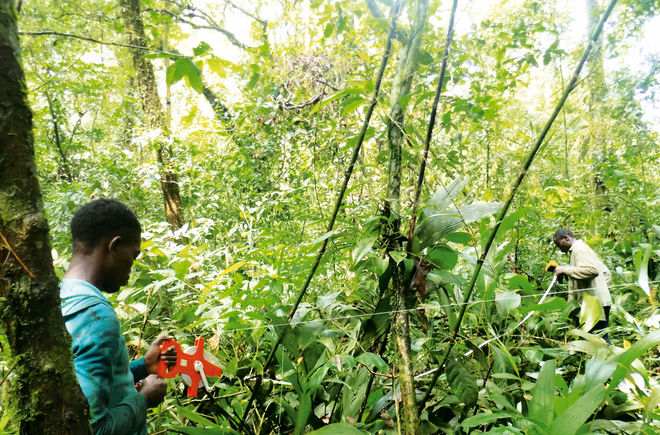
602	324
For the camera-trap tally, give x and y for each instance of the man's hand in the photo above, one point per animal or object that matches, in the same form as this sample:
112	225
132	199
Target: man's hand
154	354
153	389
560	270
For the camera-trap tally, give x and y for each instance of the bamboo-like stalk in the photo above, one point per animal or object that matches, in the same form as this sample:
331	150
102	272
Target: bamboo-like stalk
396	8
518	182
420	178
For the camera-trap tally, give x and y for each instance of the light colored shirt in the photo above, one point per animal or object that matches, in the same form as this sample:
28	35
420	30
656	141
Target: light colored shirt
587	271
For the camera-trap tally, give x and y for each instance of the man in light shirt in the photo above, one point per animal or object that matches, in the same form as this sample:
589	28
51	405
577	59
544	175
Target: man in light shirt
586	274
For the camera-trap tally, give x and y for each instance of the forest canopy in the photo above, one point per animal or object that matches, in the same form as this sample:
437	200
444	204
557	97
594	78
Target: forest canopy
354	203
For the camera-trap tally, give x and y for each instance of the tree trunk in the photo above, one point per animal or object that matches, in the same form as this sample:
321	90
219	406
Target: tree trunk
42	394
405	72
153	111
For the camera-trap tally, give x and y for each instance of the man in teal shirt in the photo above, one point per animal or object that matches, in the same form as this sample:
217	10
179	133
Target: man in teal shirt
106	240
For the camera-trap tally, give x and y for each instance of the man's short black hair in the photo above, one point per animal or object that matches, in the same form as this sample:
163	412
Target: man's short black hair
101	218
563	232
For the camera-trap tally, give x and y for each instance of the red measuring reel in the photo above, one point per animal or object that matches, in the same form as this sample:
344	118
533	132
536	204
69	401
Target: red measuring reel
192	364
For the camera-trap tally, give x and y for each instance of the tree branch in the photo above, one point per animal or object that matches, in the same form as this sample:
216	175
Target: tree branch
97	41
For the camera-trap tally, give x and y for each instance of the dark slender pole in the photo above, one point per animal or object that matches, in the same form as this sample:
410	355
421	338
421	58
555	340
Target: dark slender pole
422	169
396	8
519	180
429	131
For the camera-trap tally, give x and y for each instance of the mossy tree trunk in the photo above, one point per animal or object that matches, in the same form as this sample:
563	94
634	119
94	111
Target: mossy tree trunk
41	395
406	69
153	111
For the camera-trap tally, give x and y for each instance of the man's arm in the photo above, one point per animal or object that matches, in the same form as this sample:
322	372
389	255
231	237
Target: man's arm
586	265
95	346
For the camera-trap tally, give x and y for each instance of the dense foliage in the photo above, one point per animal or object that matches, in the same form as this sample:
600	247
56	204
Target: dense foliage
264	104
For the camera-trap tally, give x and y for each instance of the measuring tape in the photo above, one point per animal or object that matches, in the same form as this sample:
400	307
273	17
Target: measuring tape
192	364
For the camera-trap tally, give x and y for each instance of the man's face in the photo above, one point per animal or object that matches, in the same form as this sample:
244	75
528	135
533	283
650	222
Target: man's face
564	243
122	253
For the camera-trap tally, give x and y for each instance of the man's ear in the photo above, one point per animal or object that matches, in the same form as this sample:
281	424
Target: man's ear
114	243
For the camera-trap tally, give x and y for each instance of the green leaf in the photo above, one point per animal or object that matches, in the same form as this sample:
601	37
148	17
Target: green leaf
329	99
398	256
543	393
644	271
590	311
553	304
626	359
304	409
202	48
363	248
185	67
520	282
253	80
220	66
177	70
352	105
443	257
328	30
371	359
506	302
462	383
338	429
483	419
196	418
425	58
461	238
570	420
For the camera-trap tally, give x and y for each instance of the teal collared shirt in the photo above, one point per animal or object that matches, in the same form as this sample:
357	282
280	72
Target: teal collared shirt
101	360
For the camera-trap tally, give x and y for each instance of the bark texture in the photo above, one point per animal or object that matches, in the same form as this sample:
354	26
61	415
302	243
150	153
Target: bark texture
42	394
153	111
406	69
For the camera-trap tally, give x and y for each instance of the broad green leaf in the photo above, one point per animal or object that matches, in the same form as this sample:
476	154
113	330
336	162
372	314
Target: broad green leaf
540	408
443	257
425	57
626	359
352	105
570	420
506	302
304	409
653	401
590	311
484	419
253	80
363	247
328	30
202	48
329	99
462	383
398	256
554	304
644	271
520	282
338	429
220	66
461	238
196	418
371	359
177	70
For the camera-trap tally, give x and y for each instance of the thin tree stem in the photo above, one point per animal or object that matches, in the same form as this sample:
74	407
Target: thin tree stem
429	131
